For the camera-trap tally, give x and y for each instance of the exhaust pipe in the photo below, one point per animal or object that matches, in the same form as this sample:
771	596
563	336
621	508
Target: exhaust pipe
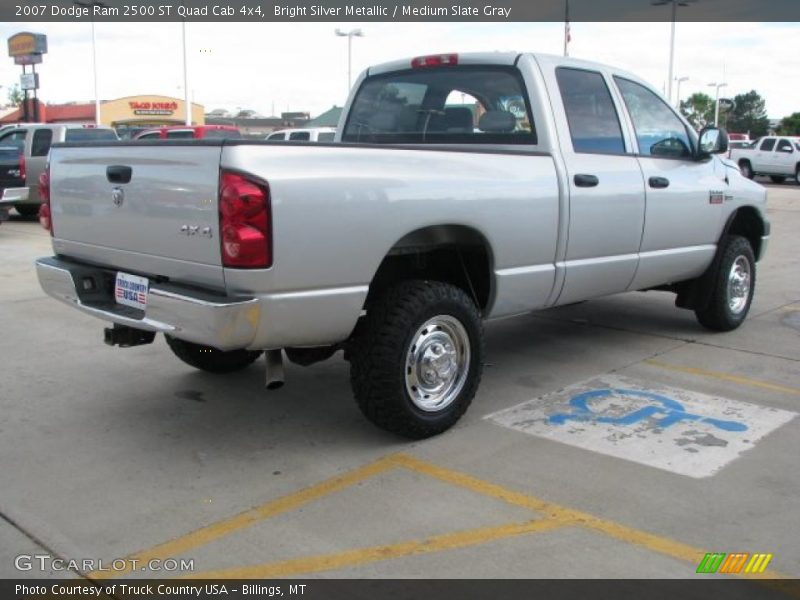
274	369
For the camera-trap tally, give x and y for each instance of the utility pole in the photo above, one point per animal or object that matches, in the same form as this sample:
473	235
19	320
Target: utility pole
349	35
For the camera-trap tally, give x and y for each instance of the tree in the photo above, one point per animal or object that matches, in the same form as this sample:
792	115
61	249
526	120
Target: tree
15	95
749	115
698	109
790	125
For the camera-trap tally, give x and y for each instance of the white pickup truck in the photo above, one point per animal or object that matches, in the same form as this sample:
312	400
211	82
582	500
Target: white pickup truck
778	157
460	188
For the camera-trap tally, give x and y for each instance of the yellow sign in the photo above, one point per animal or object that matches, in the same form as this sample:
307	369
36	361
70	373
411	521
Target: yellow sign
25	42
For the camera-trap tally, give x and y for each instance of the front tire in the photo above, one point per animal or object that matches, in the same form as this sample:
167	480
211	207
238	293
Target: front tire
746	169
416	359
732	288
797	175
210	359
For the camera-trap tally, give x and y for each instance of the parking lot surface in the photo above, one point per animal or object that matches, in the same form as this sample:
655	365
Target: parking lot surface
686	444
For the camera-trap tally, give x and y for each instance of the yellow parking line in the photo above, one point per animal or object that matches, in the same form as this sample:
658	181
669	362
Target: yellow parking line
207	534
561	514
361	556
724	376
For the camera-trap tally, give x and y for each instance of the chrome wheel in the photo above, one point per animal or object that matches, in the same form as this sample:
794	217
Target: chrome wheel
739	284
437	363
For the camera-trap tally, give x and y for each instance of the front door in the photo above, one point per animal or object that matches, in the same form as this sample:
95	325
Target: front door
684	197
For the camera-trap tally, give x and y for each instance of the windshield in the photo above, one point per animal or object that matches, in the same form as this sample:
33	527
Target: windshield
448	105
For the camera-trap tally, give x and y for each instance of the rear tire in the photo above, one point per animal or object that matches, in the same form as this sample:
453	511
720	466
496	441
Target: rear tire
210	359
746	169
777	178
27	210
732	288
416	358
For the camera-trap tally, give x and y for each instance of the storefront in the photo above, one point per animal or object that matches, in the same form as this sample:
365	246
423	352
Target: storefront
131	113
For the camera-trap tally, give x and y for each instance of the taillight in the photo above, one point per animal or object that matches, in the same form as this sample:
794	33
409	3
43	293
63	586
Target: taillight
23	169
244	222
435	60
45	216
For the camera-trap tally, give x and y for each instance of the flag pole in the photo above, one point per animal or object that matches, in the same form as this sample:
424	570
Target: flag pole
566	28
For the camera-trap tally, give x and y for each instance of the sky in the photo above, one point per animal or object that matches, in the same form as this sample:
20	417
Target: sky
277	67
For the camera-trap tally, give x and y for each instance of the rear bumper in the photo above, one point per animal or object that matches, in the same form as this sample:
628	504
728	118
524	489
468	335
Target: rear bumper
216	321
15	195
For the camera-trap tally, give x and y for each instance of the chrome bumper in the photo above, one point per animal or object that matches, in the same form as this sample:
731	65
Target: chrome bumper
227	324
14	195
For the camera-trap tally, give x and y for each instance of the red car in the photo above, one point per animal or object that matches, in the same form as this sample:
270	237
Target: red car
197	132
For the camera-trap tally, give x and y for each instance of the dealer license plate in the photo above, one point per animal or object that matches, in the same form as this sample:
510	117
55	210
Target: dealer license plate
131	290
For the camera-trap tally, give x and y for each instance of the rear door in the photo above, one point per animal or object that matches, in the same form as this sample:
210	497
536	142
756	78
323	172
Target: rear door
606	191
684	197
139	208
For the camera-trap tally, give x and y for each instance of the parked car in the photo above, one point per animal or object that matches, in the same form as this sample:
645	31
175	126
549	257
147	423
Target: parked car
183	132
312	134
34	141
776	156
567	180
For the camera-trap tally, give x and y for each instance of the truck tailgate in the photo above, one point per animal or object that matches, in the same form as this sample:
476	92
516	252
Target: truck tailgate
162	222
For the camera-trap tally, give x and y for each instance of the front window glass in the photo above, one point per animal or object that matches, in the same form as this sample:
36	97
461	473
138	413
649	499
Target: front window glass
445	105
659	131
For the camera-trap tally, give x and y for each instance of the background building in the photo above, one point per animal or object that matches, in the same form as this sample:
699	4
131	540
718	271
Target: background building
130	112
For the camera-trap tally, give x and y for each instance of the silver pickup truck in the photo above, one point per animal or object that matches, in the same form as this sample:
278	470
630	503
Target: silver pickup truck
460	188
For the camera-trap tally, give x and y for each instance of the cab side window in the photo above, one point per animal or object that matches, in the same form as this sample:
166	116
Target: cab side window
42	138
767	145
15	139
659	131
593	121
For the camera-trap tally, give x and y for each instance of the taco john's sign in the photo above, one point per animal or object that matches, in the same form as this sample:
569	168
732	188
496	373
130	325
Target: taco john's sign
153	108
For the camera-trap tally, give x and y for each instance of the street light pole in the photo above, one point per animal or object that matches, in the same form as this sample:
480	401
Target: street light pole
186	99
674	4
90	4
716	101
679	80
349	35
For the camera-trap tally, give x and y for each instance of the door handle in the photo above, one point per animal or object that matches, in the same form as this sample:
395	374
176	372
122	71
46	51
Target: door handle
119	174
658	182
582	180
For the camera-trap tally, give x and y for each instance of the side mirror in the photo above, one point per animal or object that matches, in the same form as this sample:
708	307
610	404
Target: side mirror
713	140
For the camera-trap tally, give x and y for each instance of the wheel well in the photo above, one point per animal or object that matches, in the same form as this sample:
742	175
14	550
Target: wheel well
748	223
454	254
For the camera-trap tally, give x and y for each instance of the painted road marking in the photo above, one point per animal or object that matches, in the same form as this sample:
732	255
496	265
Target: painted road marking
362	556
554	516
684	432
725	377
209	533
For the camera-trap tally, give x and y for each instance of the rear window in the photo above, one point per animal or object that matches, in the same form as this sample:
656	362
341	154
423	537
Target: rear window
90	134
42	138
180	135
447	105
221	134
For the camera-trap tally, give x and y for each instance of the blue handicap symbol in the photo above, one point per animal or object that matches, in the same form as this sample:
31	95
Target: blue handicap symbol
672	411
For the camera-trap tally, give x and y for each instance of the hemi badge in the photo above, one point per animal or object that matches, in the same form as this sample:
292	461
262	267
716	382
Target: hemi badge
716	197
